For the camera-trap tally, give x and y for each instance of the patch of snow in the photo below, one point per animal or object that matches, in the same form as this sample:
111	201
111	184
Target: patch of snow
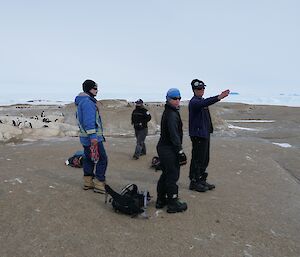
251	121
197	238
284	145
158	212
212	236
19	180
241	128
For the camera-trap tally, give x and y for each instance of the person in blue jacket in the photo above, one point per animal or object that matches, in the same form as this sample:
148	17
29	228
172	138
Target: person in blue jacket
200	128
91	137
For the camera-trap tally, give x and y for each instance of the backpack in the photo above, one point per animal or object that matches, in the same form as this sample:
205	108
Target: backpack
155	163
76	161
129	201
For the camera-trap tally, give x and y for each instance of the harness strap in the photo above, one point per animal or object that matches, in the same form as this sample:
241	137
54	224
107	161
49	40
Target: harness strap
86	133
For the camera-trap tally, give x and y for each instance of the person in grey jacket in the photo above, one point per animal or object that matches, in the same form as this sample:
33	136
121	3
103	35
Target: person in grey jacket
139	119
200	128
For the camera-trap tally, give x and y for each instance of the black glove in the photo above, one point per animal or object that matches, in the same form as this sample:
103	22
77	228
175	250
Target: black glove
182	158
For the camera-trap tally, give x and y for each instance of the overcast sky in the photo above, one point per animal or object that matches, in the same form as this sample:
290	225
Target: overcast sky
137	48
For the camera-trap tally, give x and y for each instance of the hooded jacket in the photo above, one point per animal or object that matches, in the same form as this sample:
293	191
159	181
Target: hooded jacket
88	118
200	124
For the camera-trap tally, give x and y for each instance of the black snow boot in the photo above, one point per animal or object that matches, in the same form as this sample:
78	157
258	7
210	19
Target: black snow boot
174	205
198	186
204	183
209	186
160	203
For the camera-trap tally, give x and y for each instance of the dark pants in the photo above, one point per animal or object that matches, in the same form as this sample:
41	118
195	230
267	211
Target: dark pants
166	185
140	135
89	165
200	158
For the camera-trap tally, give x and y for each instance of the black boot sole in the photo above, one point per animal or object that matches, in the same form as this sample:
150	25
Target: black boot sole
201	191
175	211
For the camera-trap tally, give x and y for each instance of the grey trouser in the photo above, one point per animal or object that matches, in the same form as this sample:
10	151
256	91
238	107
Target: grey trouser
140	141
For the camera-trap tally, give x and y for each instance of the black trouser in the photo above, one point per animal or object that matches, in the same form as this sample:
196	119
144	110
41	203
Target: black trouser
166	185
140	135
200	158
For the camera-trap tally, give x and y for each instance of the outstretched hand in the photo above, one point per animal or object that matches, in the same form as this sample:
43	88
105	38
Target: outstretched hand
224	94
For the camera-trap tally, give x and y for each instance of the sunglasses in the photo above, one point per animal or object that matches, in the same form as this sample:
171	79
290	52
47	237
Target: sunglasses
199	88
176	98
95	88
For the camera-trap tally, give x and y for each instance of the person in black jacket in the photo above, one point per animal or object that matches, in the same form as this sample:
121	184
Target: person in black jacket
139	119
171	155
200	128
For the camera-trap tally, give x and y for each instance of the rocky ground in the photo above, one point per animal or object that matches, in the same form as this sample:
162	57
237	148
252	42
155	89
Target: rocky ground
254	210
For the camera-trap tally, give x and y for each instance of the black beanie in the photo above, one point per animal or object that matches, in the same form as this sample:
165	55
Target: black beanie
196	83
88	85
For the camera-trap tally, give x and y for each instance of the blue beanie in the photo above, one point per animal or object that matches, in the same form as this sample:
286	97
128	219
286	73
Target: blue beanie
172	92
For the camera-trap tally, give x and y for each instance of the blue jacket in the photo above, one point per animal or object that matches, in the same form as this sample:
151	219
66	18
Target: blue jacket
199	117
88	118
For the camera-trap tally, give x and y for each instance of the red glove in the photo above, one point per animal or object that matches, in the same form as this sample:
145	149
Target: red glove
94	151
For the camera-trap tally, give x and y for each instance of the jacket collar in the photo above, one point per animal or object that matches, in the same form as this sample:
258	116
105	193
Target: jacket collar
88	95
168	105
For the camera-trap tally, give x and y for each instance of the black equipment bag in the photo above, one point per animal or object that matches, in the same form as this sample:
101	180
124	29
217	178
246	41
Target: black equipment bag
129	201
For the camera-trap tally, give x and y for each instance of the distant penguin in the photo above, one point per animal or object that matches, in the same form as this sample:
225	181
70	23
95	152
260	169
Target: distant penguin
14	123
21	125
46	120
18	122
43	114
27	124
